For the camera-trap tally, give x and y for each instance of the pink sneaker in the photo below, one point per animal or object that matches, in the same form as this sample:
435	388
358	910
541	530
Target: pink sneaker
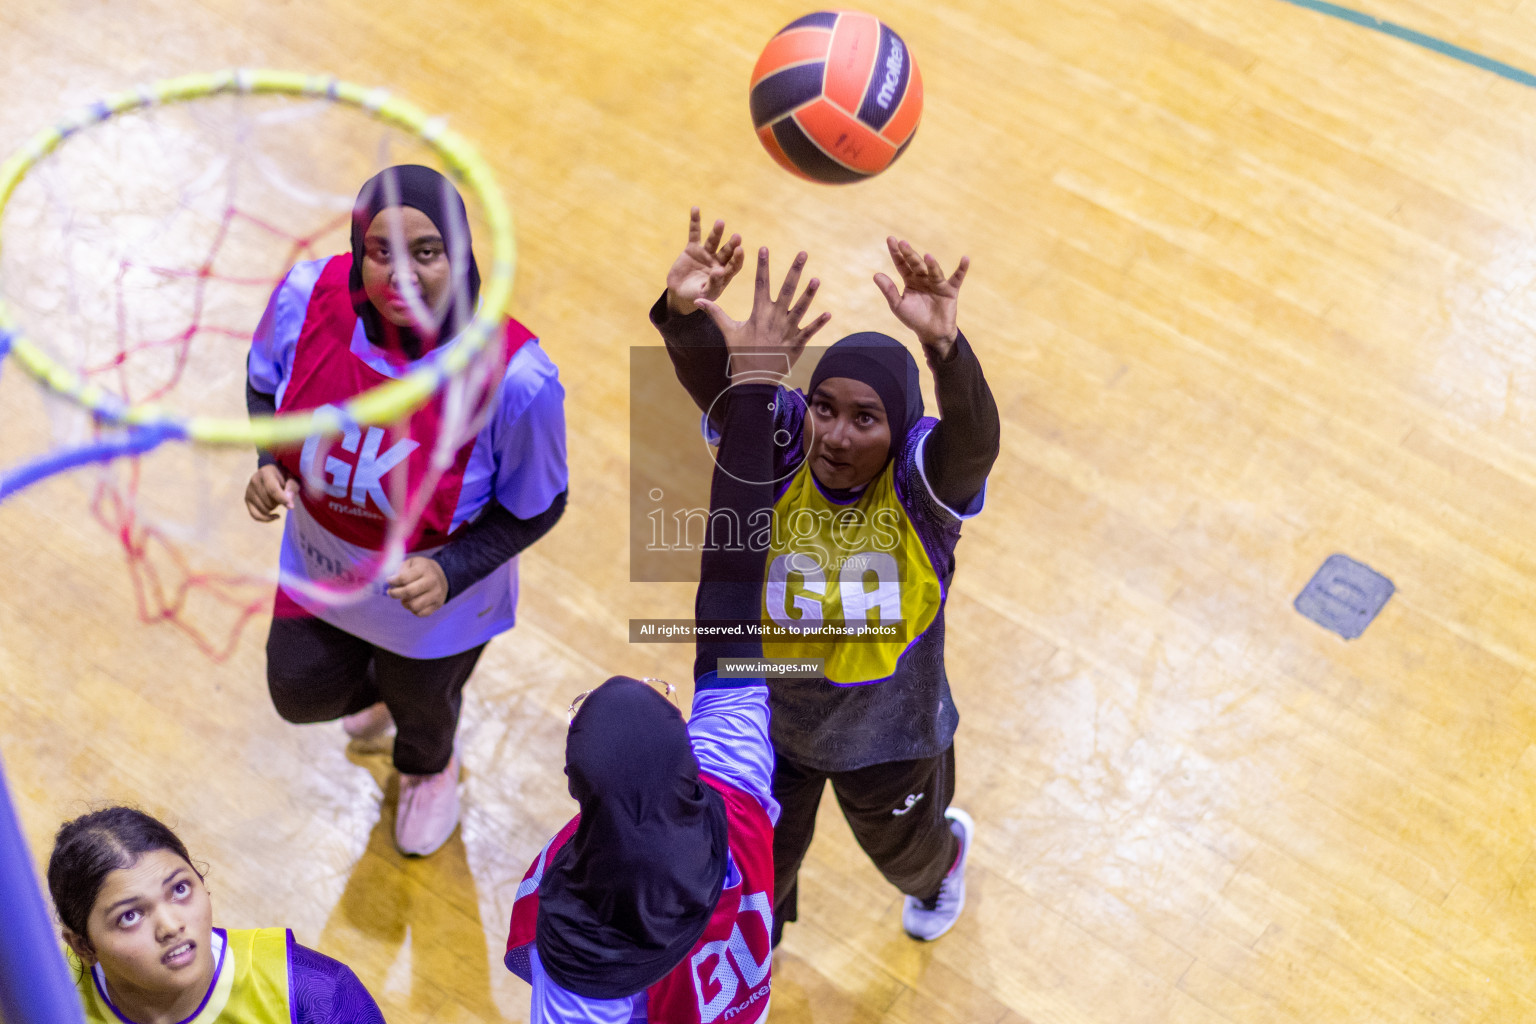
428	811
370	723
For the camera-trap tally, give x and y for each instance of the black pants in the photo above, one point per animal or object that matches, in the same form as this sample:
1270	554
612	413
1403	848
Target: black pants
317	672
896	811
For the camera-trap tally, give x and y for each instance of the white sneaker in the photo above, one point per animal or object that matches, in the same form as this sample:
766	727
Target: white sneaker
370	723
428	811
926	920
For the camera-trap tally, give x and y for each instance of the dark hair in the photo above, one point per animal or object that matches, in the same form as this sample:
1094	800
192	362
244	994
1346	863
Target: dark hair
93	846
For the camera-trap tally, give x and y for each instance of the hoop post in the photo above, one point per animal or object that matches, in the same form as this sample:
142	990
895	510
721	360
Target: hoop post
34	981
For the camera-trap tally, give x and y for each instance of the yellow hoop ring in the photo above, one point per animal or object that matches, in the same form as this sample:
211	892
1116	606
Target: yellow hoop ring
384	403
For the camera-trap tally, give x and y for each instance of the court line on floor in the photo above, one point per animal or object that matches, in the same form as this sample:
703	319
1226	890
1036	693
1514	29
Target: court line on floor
1439	46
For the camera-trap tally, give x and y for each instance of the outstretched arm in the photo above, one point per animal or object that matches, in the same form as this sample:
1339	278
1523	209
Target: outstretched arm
729	725
703	270
762	349
960	451
963	445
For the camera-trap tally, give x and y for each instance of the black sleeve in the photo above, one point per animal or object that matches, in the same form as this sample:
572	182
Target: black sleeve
259	404
698	353
490	541
731	574
964	444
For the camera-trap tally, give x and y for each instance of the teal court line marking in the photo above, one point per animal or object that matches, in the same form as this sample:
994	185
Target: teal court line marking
1439	46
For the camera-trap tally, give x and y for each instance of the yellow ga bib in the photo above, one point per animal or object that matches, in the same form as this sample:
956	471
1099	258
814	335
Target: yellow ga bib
249	987
839	567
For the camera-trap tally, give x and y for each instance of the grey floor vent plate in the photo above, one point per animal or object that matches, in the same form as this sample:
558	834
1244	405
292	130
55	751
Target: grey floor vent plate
1344	596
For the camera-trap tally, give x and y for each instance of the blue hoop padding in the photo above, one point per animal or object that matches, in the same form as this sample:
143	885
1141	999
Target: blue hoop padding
34	980
136	441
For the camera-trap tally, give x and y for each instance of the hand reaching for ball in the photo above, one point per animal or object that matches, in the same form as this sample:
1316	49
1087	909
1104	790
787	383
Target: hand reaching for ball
704	267
927	301
770	339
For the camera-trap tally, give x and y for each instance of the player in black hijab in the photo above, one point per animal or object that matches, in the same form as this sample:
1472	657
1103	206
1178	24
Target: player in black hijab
415	187
658	895
868	514
398	656
631	893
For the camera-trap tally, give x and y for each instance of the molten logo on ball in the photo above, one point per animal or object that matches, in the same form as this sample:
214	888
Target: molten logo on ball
892	74
824	103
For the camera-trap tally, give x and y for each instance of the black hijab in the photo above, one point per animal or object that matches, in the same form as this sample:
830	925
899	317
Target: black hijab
883	363
624	901
423	189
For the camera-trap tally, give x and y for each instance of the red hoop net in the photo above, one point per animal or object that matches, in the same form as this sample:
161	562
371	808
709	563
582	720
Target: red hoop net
150	286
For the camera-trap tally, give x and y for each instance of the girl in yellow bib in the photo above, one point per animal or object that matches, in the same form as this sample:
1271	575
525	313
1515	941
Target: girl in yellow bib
138	922
871	495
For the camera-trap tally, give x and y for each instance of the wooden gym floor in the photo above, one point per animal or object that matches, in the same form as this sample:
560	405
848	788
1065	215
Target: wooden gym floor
1253	285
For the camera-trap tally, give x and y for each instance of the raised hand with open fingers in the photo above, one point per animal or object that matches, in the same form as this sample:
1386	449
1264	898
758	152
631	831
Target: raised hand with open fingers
927	301
704	267
771	339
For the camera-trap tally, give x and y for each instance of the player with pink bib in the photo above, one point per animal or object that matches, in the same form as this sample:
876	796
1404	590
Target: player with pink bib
400	655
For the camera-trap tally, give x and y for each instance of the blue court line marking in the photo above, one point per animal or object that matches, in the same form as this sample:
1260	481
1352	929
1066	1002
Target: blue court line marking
1439	46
